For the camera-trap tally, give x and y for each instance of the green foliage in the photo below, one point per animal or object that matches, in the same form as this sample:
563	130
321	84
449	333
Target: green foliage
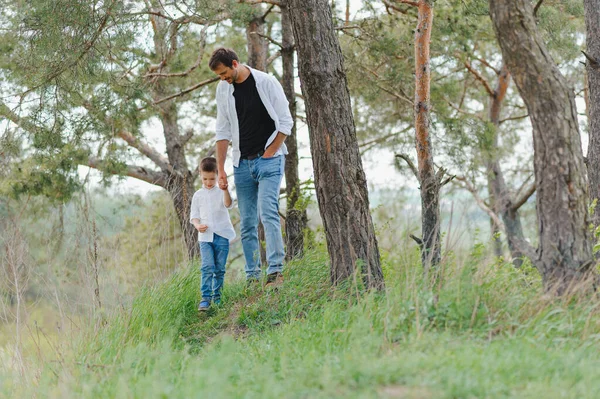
75	78
485	332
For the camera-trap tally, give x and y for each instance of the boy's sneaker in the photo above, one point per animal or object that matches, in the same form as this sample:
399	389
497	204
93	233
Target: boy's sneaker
204	305
274	279
216	301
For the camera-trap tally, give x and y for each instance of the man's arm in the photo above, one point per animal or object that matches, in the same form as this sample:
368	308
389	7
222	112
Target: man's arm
281	106
222	146
274	146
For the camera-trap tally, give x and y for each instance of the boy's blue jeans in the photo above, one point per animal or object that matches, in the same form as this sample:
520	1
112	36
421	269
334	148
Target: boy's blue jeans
257	184
214	257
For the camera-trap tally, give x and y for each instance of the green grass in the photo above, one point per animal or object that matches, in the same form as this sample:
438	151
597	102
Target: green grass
487	331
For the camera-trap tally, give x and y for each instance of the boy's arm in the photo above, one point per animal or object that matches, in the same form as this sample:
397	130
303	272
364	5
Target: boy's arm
195	214
227	201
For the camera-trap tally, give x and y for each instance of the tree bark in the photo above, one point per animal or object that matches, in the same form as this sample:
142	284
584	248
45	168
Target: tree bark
257	45
296	219
180	181
592	23
564	255
339	176
430	183
503	204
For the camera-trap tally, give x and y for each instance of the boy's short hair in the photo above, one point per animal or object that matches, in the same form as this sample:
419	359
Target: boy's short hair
208	164
224	56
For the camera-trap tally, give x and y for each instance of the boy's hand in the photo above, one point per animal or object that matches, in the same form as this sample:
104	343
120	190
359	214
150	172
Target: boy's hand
201	228
223	180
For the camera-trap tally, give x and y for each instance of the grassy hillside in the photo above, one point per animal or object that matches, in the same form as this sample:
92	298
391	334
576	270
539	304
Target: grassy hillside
486	332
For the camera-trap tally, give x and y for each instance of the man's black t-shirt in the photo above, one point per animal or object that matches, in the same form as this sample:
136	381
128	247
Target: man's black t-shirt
256	126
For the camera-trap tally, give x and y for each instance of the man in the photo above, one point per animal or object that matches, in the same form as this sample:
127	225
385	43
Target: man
253	114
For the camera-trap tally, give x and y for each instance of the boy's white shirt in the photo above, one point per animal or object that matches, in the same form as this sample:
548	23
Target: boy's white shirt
208	206
272	96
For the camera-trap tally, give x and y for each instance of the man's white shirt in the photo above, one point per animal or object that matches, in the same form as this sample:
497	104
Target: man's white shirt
208	206
273	98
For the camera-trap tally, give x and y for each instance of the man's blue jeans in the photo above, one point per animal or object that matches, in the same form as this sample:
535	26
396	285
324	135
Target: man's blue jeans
214	257
257	184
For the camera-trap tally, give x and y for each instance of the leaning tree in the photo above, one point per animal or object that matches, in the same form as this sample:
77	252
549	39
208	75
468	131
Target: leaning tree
564	253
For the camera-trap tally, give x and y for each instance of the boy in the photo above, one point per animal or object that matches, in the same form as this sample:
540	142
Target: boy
209	214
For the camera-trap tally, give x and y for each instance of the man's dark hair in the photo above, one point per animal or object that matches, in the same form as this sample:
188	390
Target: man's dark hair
208	164
224	56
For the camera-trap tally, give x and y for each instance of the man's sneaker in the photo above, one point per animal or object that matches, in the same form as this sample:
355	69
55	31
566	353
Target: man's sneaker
274	279
204	305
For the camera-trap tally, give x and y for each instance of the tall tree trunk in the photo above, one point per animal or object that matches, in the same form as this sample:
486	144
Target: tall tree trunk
430	183
339	176
257	45
592	23
296	219
564	255
495	229
502	201
180	184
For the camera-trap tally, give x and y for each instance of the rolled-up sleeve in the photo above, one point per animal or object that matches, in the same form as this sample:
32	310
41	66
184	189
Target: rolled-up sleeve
281	106
223	126
195	208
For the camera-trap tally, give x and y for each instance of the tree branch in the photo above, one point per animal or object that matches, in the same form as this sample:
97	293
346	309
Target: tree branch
417	240
186	91
146	150
400	96
523	199
463	111
23	123
593	62
347	27
391	5
467	185
274	2
187	137
487	64
480	78
264	16
397	95
537	7
138	172
192	68
440	177
410	164
448	180
269	38
514	118
273	57
383	138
